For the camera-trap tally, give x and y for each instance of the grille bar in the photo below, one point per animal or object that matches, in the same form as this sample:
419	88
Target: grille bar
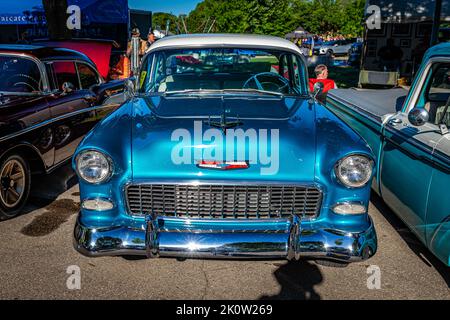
223	201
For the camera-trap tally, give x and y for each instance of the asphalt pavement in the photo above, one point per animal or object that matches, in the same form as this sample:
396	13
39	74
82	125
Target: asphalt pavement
36	255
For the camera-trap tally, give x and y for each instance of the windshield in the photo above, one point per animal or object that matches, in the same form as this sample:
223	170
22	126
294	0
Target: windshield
19	75
233	70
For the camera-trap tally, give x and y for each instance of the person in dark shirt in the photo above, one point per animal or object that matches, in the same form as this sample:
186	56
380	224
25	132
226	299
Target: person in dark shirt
390	56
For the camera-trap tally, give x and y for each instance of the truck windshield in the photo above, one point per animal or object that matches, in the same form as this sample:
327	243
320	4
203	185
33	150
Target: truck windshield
234	70
19	76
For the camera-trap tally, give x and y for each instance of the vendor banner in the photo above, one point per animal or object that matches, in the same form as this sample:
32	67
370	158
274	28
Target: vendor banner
29	12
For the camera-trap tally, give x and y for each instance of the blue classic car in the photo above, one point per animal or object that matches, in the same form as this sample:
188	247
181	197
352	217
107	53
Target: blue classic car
409	133
222	152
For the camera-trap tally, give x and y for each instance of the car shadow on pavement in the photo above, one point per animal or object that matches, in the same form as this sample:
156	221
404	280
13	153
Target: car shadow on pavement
410	239
45	188
297	280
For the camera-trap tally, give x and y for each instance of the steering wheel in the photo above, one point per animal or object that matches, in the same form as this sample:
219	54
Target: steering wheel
269	81
21	75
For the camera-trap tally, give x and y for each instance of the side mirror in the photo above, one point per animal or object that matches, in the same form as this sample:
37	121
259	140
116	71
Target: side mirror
130	87
418	117
67	87
318	89
95	89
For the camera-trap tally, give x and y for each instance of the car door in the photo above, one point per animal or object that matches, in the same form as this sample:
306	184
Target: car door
407	162
70	108
438	209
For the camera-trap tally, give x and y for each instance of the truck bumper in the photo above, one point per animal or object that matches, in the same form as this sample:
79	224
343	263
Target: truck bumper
291	240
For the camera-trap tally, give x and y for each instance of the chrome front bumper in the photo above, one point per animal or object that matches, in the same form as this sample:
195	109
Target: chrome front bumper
289	240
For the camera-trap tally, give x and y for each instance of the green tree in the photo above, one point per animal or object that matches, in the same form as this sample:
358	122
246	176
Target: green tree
278	17
159	20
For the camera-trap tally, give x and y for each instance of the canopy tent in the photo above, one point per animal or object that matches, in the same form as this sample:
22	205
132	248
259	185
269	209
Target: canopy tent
93	11
299	33
409	11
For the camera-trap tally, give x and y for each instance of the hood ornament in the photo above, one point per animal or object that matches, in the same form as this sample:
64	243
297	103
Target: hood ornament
223	124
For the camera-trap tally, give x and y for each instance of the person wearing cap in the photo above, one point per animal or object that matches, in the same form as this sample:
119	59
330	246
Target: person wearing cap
135	33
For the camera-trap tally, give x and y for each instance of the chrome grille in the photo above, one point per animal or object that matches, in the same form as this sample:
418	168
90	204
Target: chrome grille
223	201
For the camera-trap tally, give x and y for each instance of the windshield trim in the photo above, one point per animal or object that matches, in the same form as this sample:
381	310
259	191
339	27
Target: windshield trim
296	53
45	87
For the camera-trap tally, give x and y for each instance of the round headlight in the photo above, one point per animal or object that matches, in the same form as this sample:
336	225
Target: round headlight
354	171
93	166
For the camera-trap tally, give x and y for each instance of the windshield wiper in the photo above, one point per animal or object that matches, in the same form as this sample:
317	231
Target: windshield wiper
187	91
169	93
278	94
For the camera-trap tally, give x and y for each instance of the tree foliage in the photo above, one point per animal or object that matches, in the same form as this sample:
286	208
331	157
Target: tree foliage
278	17
159	20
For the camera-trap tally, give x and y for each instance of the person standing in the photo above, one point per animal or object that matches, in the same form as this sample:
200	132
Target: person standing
390	56
135	33
321	72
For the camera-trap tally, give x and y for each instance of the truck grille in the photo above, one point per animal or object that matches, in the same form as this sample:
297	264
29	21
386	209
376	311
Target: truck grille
223	201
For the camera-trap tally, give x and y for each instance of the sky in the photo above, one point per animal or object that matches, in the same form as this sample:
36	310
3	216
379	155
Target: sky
171	6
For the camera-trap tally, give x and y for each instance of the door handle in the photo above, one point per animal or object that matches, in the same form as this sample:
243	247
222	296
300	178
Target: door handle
395	122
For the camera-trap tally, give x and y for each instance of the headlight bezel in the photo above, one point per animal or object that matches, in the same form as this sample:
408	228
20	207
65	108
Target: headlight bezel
108	159
342	181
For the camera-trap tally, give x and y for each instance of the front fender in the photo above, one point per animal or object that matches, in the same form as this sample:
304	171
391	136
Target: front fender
440	241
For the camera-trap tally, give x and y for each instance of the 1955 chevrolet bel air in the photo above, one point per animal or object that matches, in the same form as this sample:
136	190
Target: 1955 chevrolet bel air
222	152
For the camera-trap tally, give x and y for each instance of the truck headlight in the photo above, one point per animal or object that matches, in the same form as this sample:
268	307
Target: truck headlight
93	166
354	171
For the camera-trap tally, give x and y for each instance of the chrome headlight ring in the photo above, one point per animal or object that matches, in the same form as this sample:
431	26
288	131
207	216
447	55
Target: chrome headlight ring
354	171
94	166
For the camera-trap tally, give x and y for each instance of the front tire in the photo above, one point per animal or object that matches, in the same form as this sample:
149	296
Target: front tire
15	182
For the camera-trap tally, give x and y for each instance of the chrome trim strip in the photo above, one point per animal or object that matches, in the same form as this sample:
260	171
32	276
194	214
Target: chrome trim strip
49	121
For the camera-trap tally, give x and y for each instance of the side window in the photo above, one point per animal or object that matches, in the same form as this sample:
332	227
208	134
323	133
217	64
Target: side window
65	71
88	77
436	92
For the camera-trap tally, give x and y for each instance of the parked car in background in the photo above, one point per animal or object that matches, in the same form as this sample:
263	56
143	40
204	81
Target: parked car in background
355	55
155	182
409	133
49	99
334	48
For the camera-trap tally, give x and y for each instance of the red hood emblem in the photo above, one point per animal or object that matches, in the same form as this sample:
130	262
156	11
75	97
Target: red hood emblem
219	165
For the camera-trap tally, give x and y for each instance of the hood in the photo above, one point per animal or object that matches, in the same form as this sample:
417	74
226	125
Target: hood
275	135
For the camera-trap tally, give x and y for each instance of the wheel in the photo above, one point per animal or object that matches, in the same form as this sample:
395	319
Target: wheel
332	264
15	181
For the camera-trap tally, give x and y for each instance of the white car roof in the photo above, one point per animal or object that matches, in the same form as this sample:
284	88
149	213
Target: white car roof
223	40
